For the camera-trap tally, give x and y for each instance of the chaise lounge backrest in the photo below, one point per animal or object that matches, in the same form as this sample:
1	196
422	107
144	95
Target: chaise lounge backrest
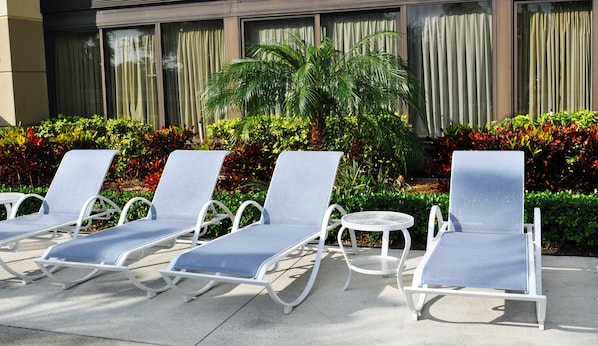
79	177
481	203
292	201
183	173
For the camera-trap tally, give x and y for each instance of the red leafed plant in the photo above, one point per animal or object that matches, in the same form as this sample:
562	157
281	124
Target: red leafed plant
158	145
27	159
248	164
558	157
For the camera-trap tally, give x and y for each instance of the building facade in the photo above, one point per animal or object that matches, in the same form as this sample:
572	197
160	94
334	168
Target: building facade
476	61
23	82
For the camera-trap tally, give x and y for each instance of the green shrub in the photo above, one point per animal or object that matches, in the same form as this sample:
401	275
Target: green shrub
382	146
569	220
276	133
416	205
233	201
86	127
125	135
378	143
584	119
30	205
353	179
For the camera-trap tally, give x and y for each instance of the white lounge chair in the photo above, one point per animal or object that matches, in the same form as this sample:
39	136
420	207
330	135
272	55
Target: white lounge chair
484	244
296	211
71	203
181	204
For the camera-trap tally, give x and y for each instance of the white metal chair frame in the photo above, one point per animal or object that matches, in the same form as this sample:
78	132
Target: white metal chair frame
208	216
437	226
172	276
95	208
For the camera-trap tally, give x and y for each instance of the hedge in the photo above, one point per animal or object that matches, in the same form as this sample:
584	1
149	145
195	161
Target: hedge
569	221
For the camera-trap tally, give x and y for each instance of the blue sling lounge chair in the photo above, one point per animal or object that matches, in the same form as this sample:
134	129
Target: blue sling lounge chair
181	204
71	203
484	244
296	212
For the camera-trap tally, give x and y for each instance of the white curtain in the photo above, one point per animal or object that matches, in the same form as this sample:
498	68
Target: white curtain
346	30
560	61
133	71
193	52
78	82
269	31
457	70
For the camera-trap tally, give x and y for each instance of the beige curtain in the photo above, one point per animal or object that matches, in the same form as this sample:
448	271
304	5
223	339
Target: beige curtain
199	53
346	30
457	70
78	83
560	61
278	30
134	76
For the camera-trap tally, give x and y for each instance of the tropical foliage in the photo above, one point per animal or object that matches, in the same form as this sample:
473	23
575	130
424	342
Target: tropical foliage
376	154
296	78
561	149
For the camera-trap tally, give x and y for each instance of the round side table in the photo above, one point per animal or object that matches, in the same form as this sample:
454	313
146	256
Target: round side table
377	221
8	199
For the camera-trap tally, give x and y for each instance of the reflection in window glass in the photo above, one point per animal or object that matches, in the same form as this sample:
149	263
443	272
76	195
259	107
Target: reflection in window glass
77	71
131	75
450	51
554	57
192	52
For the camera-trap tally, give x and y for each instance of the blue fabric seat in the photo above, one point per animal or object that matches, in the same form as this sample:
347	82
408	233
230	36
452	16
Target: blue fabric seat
243	253
484	243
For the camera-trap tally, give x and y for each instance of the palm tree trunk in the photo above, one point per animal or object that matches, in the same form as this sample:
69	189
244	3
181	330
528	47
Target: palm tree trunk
316	133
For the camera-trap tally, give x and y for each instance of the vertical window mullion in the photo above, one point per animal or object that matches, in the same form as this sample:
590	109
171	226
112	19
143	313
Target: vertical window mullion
103	73
159	75
317	29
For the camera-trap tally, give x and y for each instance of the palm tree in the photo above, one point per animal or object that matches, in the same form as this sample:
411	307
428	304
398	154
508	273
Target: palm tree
313	81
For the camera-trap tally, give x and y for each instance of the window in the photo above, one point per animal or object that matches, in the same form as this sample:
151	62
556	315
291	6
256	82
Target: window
77	73
450	51
131	74
345	29
554	56
192	51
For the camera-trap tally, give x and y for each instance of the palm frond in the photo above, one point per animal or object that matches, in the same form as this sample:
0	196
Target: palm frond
314	81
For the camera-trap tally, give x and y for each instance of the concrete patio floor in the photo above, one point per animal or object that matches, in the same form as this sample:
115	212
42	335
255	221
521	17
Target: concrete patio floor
109	310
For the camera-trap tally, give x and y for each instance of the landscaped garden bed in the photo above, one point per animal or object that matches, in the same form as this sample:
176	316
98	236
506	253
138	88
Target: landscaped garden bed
561	153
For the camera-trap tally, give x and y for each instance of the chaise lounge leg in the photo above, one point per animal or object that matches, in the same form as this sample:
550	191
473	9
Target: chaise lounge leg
541	312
